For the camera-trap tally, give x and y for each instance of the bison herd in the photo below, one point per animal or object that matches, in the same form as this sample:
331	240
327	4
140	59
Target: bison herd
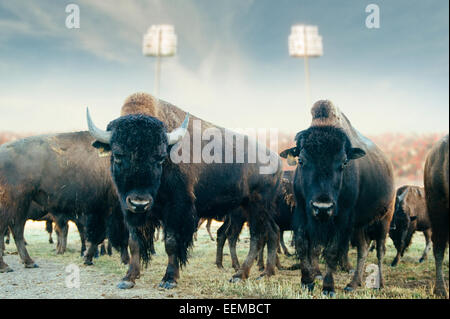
123	184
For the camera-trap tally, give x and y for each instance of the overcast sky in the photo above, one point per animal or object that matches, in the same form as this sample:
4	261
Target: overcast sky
232	66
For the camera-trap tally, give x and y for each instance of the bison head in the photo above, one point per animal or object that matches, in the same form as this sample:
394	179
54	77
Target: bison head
322	155
401	222
139	146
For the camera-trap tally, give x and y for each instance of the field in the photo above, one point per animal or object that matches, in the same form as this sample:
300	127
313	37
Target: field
200	278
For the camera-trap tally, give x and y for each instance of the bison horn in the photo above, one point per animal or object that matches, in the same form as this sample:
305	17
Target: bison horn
98	134
178	133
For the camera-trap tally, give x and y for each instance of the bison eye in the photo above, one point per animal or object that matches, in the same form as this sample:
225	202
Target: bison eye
301	162
343	164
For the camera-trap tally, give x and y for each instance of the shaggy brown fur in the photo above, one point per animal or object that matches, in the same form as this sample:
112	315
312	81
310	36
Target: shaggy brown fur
436	182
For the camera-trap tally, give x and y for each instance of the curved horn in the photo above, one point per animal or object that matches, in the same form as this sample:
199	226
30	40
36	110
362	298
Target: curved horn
402	196
178	133
98	134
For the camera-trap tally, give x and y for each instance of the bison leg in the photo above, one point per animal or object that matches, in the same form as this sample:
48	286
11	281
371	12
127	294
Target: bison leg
17	231
3	228
272	245
208	228
109	248
362	249
102	249
344	263
260	259
307	255
328	281
91	250
256	244
221	238
381	250
440	240
124	256
427	234
49	229
396	259
232	233
82	232
169	280
134	267
64	231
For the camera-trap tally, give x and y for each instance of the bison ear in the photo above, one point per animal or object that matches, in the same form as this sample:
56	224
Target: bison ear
103	148
355	153
290	154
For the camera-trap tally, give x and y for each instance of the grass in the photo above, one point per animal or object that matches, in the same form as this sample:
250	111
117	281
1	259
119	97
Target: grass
202	279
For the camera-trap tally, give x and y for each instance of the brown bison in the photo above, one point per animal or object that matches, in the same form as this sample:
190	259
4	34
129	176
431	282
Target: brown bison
410	215
151	186
436	182
63	175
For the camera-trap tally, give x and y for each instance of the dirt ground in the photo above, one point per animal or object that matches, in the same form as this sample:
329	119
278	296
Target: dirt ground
49	282
199	279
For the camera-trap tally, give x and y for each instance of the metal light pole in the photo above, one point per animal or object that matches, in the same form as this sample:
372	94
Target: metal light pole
159	41
305	41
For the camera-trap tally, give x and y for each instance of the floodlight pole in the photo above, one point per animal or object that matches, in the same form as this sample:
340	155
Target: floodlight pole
158	65
307	86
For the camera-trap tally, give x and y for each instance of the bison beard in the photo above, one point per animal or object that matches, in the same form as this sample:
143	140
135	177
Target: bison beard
144	237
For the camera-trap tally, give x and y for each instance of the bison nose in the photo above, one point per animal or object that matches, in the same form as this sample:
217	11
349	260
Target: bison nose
320	209
139	204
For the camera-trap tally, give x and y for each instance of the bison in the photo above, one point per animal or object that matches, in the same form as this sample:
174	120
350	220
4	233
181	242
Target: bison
436	182
343	184
63	175
234	222
410	215
151	186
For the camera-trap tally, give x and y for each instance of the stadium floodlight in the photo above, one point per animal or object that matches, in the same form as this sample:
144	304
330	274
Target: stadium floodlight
304	42
159	41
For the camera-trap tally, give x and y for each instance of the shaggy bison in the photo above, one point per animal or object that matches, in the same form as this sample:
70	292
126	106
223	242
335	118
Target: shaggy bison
151	186
410	215
343	183
63	175
436	182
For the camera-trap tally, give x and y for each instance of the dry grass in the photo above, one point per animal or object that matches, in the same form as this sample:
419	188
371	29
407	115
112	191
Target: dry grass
202	279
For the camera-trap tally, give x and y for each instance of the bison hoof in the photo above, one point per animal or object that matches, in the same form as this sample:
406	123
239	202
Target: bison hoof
349	289
441	291
421	260
7	269
235	279
329	293
169	284
125	284
310	286
88	262
33	265
220	266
